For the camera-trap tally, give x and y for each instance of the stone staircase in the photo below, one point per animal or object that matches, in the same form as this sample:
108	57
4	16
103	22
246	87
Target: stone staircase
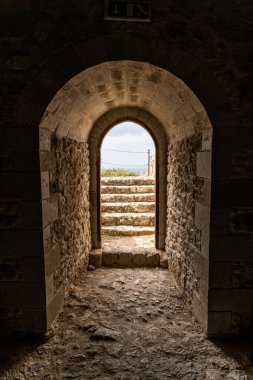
128	206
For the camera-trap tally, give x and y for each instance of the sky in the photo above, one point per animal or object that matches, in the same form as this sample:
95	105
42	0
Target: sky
129	137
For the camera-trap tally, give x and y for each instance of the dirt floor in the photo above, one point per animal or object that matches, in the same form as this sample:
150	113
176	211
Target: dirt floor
124	324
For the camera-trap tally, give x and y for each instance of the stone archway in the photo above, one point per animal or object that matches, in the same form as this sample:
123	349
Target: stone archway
97	134
76	121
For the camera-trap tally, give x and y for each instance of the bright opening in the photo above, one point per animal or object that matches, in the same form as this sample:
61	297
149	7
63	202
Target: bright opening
128	187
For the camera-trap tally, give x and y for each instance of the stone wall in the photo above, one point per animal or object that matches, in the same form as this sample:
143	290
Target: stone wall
70	184
186	230
206	44
70	231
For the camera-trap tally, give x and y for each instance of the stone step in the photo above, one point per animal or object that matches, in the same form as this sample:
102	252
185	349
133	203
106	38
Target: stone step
127	189
127	181
138	207
128	257
144	197
127	231
128	219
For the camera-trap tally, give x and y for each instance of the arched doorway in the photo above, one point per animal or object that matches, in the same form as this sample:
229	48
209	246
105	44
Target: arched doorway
155	129
76	121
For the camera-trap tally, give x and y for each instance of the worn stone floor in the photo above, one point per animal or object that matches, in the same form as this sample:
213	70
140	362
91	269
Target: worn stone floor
123	324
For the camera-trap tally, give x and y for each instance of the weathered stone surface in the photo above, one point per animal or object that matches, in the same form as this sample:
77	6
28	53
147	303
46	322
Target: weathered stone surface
188	220
128	219
124	324
127	181
71	230
127	231
95	258
127	207
127	189
144	197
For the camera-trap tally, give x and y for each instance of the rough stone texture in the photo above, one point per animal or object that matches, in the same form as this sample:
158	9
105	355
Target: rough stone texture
183	242
145	197
123	181
128	230
208	44
128	219
138	207
71	231
119	217
125	324
127	189
131	257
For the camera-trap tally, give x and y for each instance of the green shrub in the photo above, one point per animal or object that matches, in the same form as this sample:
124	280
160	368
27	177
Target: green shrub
117	173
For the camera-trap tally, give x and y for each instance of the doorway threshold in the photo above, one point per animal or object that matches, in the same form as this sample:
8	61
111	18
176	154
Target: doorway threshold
129	252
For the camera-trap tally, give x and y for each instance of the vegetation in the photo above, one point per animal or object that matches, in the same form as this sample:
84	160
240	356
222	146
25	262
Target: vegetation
117	173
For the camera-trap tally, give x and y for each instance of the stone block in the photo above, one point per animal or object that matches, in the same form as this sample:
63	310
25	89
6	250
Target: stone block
55	307
12	185
50	289
222	164
242	323
204	164
63	128
34	321
242	221
47	239
207	136
206	195
110	259
219	323
45	139
21	243
202	215
125	259
52	260
230	137
163	259
25	294
232	193
11	214
49	211
242	164
200	309
32	269
47	161
220	274
19	139
45	188
220	222
153	259
182	63
28	114
97	49
242	274
231	248
10	270
205	241
139	259
95	258
230	300
161	241
69	61
200	265
32	217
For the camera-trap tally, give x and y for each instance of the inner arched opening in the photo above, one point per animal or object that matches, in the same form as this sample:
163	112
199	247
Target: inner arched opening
128	187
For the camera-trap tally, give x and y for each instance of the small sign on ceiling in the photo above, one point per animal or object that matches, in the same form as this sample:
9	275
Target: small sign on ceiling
128	10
